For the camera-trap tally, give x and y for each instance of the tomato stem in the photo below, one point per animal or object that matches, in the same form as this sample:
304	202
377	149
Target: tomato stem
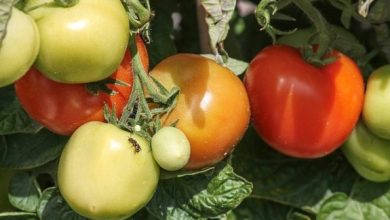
137	111
324	36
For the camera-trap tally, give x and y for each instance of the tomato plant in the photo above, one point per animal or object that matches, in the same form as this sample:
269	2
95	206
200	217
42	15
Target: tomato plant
376	105
15	64
171	148
301	110
64	107
5	178
368	154
82	43
96	155
209	95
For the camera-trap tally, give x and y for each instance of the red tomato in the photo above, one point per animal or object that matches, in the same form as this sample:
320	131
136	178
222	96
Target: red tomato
301	110
212	108
62	108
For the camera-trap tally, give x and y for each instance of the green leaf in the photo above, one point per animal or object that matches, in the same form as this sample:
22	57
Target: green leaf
13	119
368	200
18	216
200	196
238	67
303	184
259	209
53	206
5	15
219	13
24	192
24	151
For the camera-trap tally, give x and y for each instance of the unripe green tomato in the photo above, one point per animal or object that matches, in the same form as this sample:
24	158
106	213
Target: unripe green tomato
368	154
19	48
171	148
82	43
376	109
107	173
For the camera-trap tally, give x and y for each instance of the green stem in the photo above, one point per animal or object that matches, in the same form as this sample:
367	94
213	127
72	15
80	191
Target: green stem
140	15
324	39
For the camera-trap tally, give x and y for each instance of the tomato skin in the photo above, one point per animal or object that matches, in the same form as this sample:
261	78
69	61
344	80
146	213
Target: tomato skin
13	63
64	107
301	110
376	104
171	148
102	175
368	154
212	108
83	43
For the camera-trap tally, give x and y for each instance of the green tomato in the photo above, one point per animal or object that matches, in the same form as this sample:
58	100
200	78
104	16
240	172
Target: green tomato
107	173
171	148
82	43
368	154
376	109
18	51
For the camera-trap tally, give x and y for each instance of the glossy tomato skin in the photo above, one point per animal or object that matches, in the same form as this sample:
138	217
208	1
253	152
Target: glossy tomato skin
102	175
212	108
376	104
64	107
301	110
82	43
13	63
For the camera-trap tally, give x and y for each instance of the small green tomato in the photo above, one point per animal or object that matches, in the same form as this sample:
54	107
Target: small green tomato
171	148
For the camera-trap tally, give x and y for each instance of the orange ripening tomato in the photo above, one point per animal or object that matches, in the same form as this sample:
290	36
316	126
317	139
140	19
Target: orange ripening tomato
212	108
62	108
299	109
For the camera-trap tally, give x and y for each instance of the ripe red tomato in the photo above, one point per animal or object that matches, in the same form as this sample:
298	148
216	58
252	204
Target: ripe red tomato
212	108
301	110
62	108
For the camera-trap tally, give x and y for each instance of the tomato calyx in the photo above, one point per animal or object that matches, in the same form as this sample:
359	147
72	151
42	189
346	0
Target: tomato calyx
138	117
102	86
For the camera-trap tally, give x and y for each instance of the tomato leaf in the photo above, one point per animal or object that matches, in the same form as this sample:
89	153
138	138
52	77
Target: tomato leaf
219	13
259	209
24	151
53	206
5	15
294	182
24	192
367	200
238	67
200	196
18	216
13	119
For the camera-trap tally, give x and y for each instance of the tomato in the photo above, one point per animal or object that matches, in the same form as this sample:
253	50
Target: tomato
301	110
171	148
64	107
106	173
212	107
13	63
376	104
83	43
368	154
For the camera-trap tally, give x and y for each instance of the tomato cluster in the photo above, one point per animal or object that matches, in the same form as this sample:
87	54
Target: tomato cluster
65	82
